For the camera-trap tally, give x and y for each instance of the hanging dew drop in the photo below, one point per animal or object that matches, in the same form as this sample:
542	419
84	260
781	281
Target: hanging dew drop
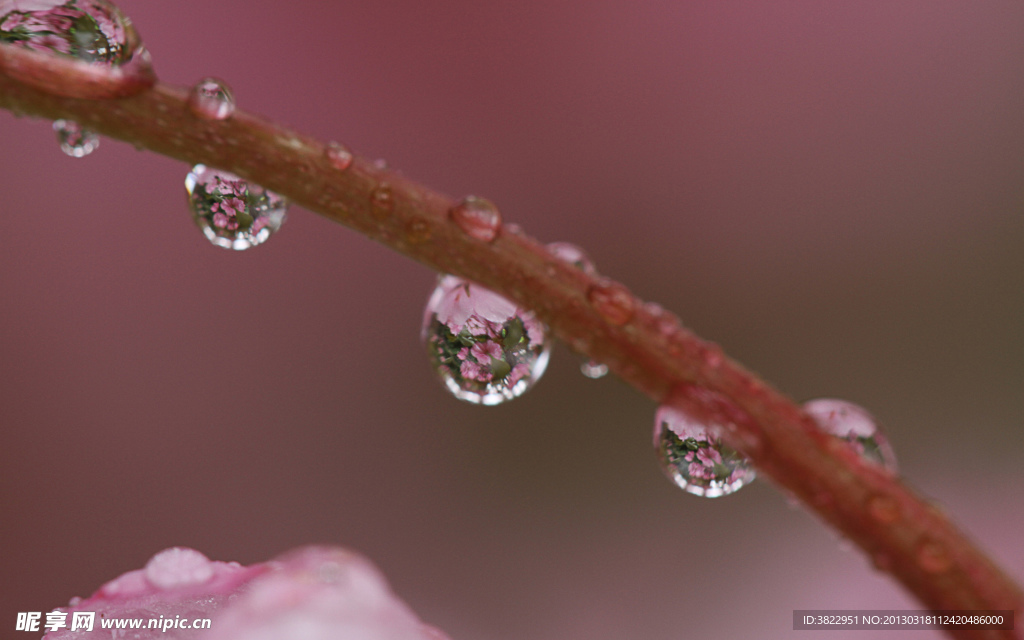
211	99
483	347
477	217
233	213
856	427
75	140
594	369
92	32
693	456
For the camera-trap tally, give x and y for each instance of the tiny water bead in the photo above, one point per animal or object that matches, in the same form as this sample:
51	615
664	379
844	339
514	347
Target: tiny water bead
572	254
233	213
382	200
94	32
485	349
211	99
338	155
477	217
594	369
74	139
854	425
693	456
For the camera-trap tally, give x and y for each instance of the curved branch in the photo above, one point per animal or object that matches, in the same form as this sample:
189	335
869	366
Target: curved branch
646	347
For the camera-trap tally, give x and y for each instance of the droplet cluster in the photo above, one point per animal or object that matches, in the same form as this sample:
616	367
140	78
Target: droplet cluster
484	348
231	212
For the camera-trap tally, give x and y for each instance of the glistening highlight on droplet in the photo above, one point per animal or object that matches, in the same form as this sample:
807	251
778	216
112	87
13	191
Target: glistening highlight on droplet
693	456
854	425
93	35
568	252
231	212
211	99
74	139
484	348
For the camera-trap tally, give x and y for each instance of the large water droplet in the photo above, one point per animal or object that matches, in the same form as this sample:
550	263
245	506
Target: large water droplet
693	456
92	32
613	301
573	255
233	213
485	349
211	99
75	140
856	426
477	217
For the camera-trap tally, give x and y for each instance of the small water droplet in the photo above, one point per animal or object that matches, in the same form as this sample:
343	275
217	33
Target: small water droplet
693	456
233	213
932	557
75	140
477	217
75	601
417	231
211	99
382	200
594	369
613	301
573	255
883	509
380	164
485	349
854	425
338	155
178	567
92	32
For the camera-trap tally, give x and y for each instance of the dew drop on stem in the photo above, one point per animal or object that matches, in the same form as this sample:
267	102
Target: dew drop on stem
613	302
855	426
338	155
484	348
211	99
693	455
94	33
231	212
477	217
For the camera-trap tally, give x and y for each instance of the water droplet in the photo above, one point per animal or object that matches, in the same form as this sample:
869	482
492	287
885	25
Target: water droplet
712	355
883	509
75	140
856	426
417	231
178	567
594	369
75	601
573	255
613	301
477	217
932	557
233	213
382	200
338	155
211	99
485	349
693	456
93	33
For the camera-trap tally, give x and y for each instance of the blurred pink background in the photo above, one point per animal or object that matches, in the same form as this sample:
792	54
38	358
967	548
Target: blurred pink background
832	191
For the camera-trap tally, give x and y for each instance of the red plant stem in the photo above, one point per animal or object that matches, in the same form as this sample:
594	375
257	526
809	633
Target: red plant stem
900	531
